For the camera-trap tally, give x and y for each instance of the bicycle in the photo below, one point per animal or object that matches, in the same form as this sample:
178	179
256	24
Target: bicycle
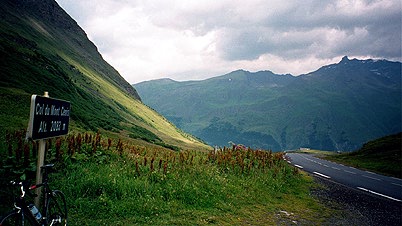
25	213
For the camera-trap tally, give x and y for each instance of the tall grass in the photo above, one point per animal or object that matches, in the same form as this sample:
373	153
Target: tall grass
113	182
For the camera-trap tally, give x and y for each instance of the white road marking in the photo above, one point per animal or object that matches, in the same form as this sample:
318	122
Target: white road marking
323	175
372	178
349	172
397	178
298	166
397	182
376	193
370	172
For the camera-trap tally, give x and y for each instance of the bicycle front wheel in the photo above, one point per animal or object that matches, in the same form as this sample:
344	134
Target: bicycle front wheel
56	209
14	218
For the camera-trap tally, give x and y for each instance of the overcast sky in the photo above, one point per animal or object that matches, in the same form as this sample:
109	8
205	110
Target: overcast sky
198	39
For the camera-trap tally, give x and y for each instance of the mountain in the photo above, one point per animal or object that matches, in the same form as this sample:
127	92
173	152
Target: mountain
337	107
43	49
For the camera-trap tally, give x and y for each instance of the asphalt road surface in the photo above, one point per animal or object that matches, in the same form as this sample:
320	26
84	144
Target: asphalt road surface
383	186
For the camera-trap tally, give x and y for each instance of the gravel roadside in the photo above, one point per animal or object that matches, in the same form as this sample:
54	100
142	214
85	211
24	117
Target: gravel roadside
355	207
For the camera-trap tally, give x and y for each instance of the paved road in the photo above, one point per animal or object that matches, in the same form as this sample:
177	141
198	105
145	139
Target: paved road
387	187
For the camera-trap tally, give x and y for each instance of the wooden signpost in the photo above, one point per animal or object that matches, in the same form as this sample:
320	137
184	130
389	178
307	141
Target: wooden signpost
48	118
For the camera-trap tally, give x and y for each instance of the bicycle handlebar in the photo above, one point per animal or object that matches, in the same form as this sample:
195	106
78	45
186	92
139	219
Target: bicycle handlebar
26	187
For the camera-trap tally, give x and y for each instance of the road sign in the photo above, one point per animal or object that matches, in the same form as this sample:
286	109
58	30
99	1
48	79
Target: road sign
49	117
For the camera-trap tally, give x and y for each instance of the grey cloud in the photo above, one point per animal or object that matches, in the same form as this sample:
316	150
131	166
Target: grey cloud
305	30
290	29
252	31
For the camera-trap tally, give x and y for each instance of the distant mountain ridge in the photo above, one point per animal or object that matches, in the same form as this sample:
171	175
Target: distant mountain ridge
43	49
337	107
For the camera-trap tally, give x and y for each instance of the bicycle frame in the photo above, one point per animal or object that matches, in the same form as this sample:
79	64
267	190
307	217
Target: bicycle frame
21	208
21	205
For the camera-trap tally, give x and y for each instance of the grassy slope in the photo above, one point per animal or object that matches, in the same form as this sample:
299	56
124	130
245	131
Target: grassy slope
136	113
186	188
50	53
108	182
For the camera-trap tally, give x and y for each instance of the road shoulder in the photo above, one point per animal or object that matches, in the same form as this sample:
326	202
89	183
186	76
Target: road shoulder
354	207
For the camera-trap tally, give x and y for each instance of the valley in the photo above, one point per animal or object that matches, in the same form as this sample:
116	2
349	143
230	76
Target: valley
337	107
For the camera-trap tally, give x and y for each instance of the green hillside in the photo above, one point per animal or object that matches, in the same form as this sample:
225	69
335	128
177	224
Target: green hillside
43	49
337	107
